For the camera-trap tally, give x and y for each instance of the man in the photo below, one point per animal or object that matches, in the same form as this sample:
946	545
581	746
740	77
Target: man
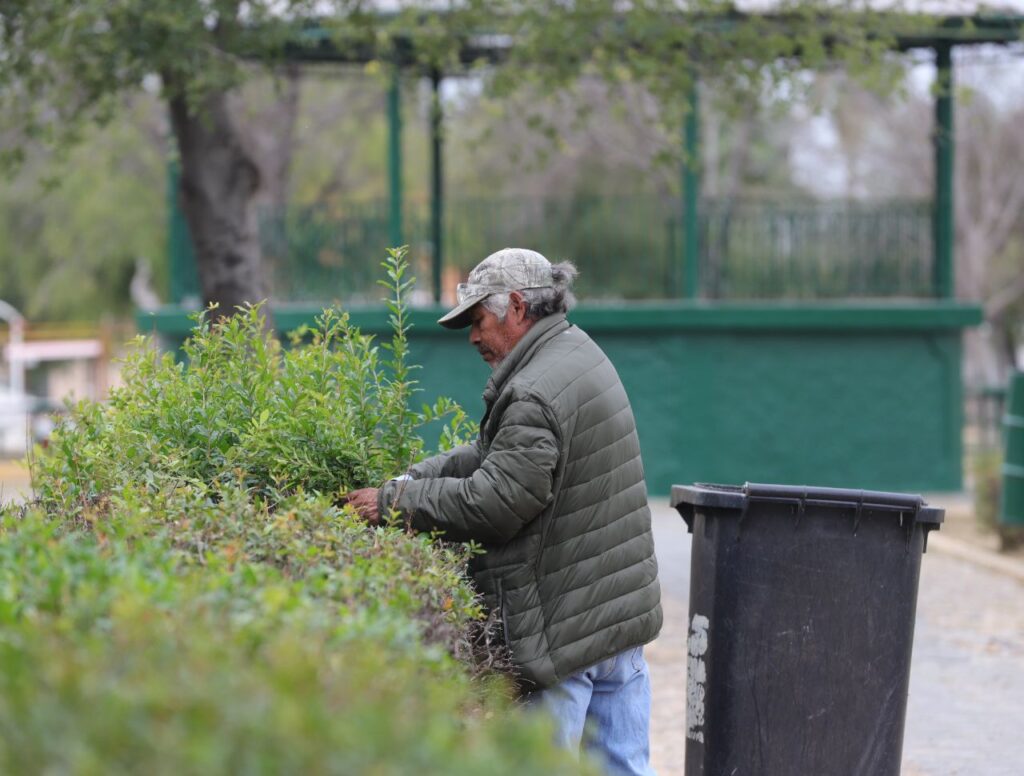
553	488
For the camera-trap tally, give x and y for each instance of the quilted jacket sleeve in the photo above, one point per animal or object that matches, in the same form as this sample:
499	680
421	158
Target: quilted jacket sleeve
458	462
491	505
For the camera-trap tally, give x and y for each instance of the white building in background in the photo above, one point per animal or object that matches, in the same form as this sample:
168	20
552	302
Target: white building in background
75	367
15	412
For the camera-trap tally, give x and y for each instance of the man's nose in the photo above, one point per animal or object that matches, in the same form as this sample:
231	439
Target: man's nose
474	335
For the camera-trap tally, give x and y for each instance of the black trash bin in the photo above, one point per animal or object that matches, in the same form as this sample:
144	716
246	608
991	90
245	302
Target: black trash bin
801	621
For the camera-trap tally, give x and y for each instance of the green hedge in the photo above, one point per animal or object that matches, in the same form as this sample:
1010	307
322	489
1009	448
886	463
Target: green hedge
188	594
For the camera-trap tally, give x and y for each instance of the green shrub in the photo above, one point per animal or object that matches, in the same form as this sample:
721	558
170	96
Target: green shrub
121	655
306	557
330	413
986	471
187	595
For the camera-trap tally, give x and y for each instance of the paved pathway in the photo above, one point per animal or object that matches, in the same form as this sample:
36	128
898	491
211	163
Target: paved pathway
14	481
667	655
966	709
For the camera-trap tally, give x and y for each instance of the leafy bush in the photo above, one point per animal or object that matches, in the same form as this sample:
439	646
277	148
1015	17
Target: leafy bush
330	413
986	471
187	594
122	655
311	555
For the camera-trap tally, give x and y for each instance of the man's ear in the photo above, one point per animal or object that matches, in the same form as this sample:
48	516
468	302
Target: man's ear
517	305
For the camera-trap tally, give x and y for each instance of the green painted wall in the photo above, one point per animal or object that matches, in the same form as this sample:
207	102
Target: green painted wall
847	396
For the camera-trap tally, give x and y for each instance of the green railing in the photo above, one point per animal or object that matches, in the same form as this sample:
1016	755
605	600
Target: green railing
816	250
625	247
316	256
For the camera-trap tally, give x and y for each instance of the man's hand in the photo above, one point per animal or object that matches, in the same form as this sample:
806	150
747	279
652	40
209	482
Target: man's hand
365	502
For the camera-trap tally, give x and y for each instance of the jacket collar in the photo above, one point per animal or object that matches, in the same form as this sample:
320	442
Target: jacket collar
539	333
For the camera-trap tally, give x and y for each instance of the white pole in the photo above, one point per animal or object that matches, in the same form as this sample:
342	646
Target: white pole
17	325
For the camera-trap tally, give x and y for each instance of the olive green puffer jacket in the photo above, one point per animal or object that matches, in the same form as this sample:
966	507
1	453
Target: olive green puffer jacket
554	490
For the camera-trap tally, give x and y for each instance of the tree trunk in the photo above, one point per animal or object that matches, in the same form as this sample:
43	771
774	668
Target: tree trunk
219	183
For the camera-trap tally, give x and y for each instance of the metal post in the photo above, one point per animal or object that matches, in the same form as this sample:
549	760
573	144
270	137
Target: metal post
395	159
16	328
691	197
437	180
943	215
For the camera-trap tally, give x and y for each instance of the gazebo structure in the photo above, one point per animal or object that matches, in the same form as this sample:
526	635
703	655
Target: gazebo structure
862	394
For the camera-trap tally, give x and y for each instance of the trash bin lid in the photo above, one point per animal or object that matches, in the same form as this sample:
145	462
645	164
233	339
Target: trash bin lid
740	497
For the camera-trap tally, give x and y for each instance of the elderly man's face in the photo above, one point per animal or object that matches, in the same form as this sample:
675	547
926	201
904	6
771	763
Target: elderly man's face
493	337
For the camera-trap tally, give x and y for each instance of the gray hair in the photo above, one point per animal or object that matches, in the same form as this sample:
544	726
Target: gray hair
541	302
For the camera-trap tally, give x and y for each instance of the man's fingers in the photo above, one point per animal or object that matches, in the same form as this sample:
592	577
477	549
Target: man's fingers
364	501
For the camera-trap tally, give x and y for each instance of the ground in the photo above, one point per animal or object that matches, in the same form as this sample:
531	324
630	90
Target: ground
14	481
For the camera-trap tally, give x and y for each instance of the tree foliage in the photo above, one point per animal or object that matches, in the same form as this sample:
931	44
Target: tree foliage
64	65
73	235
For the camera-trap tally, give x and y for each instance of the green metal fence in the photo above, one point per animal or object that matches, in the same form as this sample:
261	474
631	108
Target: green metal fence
314	255
816	250
625	247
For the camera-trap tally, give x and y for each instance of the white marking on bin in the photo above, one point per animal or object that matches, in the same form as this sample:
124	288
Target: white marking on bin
696	676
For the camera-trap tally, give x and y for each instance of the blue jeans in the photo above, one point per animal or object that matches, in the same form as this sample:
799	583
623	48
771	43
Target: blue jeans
613	700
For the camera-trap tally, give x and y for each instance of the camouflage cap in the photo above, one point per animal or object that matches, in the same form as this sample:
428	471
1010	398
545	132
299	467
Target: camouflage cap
510	269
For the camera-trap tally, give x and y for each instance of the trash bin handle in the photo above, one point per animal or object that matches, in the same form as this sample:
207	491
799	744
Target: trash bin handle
834	497
686	511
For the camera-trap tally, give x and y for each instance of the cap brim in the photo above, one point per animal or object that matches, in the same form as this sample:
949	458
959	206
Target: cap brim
459	318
